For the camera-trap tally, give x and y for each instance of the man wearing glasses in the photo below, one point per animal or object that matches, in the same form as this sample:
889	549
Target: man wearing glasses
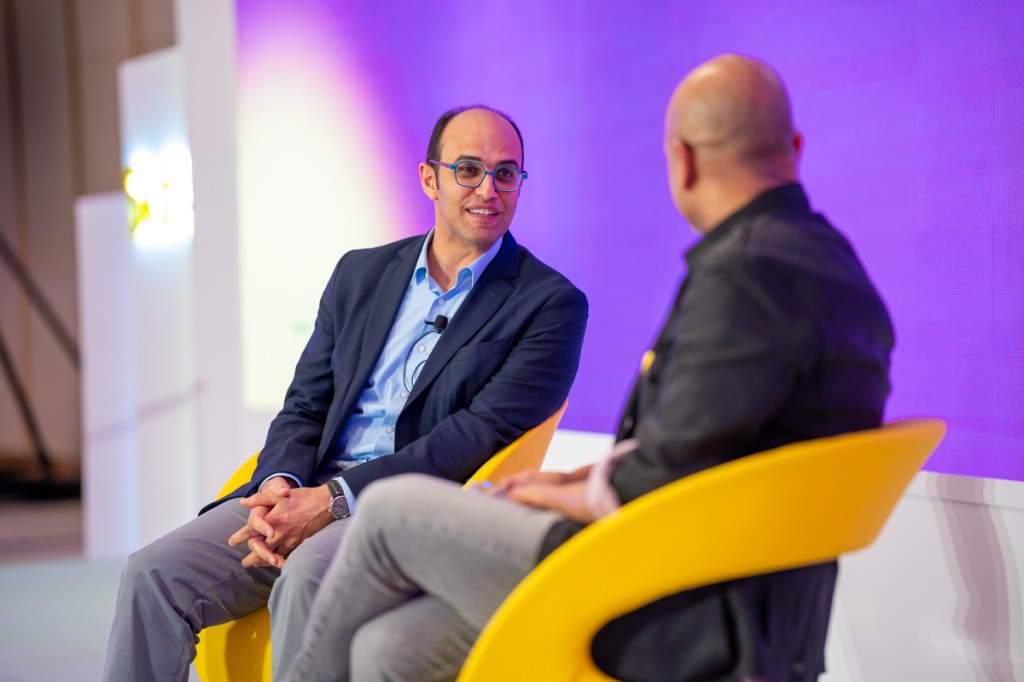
428	355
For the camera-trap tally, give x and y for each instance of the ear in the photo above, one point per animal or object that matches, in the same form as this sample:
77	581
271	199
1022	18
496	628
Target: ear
687	164
428	181
798	143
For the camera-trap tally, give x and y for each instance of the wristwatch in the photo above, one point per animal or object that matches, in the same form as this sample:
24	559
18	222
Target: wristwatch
339	505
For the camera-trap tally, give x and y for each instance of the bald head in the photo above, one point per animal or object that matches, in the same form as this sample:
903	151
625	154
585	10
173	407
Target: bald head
731	118
736	105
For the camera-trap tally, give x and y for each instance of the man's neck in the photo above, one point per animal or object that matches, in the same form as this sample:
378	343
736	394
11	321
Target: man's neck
446	259
727	199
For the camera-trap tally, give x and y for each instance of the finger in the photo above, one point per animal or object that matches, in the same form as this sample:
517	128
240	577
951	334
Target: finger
526	494
509	482
243	534
251	560
278	486
264	498
264	553
258	522
517	479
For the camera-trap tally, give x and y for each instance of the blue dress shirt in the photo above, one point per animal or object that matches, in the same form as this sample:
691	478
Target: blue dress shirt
370	431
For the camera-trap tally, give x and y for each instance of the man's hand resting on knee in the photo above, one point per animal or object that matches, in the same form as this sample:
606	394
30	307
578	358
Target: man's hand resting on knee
281	517
565	493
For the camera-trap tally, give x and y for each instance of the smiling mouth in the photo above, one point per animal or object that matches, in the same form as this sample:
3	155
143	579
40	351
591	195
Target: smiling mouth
482	211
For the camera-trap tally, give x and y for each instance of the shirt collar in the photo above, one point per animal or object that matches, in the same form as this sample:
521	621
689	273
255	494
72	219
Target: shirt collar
473	271
790	195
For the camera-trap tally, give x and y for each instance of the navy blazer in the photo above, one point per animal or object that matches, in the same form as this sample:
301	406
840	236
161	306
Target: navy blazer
504	363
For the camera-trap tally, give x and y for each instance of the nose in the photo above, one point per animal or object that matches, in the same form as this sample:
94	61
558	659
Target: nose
486	189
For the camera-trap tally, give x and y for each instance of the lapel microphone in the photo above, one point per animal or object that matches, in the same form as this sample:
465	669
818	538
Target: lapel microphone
438	323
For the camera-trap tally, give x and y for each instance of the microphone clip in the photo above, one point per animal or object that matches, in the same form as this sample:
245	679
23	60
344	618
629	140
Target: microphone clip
438	323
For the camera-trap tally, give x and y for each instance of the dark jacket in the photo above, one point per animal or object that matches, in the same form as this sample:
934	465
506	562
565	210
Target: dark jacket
504	363
777	336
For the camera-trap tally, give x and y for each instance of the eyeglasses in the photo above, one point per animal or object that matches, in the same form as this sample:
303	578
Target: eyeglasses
472	174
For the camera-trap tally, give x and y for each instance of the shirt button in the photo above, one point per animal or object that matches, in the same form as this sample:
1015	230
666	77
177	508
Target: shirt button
422	348
404	394
391	429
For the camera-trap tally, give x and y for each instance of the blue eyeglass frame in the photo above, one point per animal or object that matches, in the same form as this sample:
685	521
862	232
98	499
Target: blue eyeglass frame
522	174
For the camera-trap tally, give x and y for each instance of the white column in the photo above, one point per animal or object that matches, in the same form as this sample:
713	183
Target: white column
106	328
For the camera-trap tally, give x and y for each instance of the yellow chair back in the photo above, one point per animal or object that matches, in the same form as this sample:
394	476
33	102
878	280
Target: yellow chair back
793	506
239	651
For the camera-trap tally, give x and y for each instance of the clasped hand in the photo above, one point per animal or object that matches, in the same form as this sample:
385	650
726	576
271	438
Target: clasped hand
280	518
565	493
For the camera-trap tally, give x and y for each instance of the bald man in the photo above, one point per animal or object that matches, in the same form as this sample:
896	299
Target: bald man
776	336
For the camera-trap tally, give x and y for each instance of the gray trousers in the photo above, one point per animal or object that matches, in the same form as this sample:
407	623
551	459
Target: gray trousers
190	579
421	570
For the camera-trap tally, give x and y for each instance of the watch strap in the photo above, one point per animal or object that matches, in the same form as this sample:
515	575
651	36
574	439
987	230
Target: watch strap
335	488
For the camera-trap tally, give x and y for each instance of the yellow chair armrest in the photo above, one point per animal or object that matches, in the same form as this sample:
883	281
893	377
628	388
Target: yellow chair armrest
797	505
241	476
523	454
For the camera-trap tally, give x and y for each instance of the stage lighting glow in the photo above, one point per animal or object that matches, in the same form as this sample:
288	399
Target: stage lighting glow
150	235
316	179
159	185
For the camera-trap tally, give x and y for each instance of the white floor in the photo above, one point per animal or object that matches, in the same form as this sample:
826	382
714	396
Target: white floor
57	615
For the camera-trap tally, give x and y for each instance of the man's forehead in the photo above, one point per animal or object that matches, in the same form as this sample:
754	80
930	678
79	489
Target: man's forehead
478	133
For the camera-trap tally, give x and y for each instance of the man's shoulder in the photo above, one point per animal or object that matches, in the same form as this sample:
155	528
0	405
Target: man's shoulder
384	250
533	270
375	258
800	239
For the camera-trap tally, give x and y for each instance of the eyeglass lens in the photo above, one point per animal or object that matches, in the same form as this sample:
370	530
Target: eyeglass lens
471	174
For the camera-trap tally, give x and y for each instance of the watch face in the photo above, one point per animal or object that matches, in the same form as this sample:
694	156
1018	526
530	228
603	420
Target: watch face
339	507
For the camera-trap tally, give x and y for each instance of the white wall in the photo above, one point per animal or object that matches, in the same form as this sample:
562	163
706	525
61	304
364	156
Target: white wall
938	596
110	482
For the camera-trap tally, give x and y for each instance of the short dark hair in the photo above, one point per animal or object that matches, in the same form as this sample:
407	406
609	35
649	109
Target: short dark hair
434	147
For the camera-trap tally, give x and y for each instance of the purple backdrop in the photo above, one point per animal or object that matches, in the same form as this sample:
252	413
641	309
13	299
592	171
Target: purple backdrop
912	115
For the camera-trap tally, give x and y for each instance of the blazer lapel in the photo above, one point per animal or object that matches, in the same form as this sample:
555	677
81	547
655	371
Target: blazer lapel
485	299
394	280
381	311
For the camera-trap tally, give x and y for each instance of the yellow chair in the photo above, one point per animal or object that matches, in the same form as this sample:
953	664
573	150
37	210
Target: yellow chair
239	651
793	506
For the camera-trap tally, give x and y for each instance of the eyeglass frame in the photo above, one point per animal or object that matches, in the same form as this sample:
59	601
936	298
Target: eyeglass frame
454	166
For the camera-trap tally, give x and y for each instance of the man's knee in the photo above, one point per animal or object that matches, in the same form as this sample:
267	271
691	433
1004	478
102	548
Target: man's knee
391	495
424	639
147	570
377	655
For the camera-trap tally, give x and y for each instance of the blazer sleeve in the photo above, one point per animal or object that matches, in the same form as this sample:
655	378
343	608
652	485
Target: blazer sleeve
738	344
531	383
